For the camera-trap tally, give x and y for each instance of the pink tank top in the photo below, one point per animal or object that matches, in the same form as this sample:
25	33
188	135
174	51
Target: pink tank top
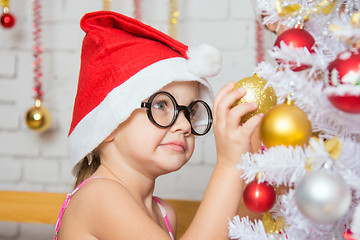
68	197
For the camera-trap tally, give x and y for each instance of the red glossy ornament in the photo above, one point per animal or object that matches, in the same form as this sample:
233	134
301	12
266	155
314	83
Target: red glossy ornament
297	38
259	197
7	20
346	103
344	72
346	63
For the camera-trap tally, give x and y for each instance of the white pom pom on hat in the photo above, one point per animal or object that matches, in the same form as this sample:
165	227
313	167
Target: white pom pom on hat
204	60
123	62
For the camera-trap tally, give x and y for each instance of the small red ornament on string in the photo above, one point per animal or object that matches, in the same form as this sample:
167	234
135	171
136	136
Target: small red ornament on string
7	19
259	197
296	38
342	83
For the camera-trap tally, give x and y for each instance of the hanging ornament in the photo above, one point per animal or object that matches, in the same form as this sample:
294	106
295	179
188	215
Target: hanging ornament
285	124
295	38
259	197
323	196
37	118
173	18
257	90
7	19
342	84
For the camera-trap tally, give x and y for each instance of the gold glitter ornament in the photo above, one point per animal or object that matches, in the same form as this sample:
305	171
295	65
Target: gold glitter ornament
271	225
285	124
38	118
257	90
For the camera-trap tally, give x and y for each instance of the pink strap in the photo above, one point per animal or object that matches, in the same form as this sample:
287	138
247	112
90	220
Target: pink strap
65	204
164	214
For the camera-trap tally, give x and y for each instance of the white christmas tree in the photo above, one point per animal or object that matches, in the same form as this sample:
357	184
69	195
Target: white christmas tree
322	177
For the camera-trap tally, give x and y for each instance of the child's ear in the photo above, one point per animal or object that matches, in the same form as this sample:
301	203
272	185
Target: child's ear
109	138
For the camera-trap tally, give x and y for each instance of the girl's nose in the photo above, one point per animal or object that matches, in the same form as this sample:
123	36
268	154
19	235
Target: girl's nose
182	123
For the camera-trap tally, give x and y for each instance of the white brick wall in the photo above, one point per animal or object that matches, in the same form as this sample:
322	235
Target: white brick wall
31	161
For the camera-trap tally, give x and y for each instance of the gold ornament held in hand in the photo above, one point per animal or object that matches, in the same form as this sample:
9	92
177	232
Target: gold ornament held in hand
257	90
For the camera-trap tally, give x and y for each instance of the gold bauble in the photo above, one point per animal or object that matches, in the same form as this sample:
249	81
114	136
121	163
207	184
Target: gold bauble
255	92
38	118
285	124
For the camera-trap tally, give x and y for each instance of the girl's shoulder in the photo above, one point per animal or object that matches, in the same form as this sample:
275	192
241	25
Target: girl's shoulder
98	190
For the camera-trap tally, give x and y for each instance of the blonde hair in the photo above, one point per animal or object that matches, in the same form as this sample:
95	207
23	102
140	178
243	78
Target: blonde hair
86	167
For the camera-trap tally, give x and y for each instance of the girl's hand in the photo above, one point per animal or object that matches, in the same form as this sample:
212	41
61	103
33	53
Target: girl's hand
232	139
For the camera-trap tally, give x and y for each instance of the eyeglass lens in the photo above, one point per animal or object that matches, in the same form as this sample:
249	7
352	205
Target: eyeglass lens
163	110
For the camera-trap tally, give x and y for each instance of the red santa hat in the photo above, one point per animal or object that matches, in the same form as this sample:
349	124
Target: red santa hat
123	62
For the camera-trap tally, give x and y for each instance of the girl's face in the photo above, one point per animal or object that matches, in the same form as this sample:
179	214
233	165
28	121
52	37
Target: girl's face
151	149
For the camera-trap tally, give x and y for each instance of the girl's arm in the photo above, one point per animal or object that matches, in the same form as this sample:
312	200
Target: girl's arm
224	192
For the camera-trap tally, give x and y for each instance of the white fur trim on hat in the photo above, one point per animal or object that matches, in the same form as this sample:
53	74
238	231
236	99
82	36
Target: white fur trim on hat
204	60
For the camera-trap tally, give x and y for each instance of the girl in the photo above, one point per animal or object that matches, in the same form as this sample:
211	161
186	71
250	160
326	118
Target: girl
142	98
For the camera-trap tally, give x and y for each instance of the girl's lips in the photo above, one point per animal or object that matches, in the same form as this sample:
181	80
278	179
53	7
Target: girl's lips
177	146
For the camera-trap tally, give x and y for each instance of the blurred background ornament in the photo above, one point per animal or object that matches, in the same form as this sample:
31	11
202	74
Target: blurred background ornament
38	118
285	124
7	19
323	196
257	90
259	197
342	82
173	18
295	38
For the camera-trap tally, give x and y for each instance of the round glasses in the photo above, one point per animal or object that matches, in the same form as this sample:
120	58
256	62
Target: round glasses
163	110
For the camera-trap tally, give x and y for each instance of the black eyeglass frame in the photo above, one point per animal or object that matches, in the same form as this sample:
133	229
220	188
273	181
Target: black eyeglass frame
177	110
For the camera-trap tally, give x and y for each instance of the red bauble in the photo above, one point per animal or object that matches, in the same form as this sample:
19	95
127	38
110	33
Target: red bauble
343	82
297	38
259	197
7	20
346	103
345	69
